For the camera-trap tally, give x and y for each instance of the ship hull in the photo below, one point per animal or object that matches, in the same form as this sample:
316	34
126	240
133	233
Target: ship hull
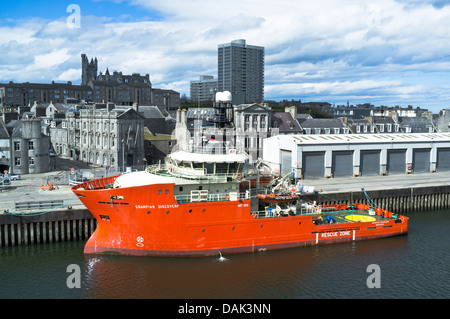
91	248
148	221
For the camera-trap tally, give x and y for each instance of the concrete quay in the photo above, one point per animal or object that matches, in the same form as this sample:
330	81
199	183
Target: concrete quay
375	183
400	194
28	189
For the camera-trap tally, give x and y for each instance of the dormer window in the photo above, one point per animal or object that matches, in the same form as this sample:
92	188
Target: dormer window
396	127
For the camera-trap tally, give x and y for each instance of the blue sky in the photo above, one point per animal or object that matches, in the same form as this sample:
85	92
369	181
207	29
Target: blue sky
388	52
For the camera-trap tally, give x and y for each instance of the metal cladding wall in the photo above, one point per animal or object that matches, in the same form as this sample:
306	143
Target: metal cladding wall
443	160
313	164
342	163
396	161
369	163
421	161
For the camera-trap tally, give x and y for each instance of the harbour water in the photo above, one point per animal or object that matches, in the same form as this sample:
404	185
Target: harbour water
412	266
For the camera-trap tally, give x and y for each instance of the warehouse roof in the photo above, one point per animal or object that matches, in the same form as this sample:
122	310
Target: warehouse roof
365	138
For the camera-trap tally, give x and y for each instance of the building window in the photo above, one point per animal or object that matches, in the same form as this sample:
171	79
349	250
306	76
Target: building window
31	160
17	146
17	161
30	145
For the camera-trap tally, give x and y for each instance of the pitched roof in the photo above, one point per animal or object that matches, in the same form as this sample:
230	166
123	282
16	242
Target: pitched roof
4	134
285	122
151	111
322	123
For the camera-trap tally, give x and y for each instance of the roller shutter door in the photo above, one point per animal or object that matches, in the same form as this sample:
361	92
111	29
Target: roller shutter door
421	161
313	164
396	161
342	164
286	160
370	163
443	160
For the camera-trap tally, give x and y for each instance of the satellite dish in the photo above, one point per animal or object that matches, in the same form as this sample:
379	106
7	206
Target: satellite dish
223	96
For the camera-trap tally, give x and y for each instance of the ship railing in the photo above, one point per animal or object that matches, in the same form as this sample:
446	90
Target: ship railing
193	173
272	213
217	148
204	196
102	183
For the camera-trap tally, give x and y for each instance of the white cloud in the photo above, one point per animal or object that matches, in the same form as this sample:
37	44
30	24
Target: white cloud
314	49
69	75
50	60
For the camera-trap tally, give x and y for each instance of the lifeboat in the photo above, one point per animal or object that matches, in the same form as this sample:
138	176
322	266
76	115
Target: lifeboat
278	198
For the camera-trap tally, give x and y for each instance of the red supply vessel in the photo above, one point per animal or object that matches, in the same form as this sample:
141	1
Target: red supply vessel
204	203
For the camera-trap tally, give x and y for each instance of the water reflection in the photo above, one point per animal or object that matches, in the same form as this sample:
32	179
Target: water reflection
290	273
412	266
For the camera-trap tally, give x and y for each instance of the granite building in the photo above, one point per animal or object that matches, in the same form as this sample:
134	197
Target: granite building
117	88
204	89
241	71
22	94
29	147
103	135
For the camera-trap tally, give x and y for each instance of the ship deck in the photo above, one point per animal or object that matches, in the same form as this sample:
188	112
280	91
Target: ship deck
353	215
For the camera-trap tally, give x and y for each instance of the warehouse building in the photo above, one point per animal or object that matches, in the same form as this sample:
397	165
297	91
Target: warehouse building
326	156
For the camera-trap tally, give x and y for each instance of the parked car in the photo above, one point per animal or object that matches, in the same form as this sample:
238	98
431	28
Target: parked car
15	177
